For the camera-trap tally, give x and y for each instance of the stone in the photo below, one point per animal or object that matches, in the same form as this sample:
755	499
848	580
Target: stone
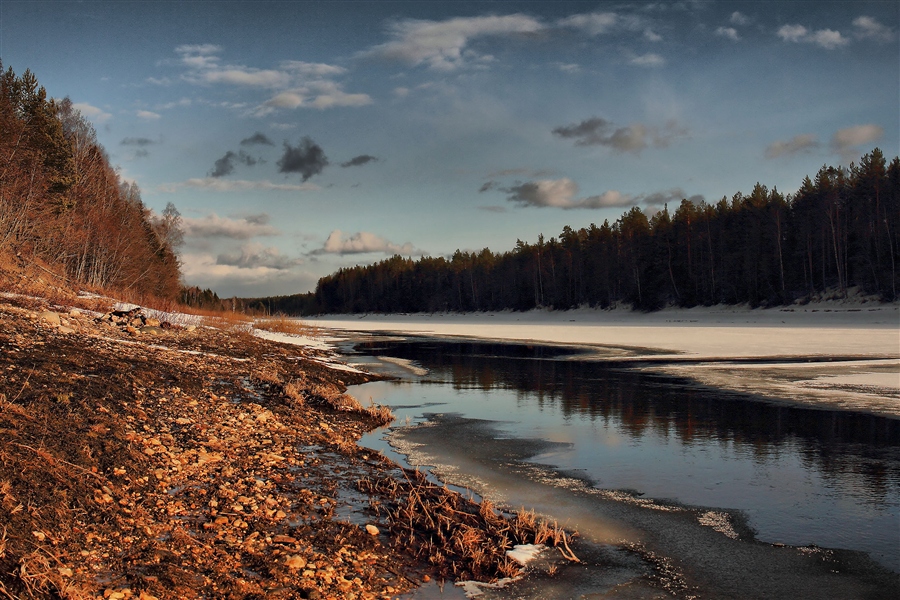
150	322
50	317
372	530
284	539
66	330
295	562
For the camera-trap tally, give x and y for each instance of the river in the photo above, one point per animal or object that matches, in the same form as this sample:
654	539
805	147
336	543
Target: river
746	498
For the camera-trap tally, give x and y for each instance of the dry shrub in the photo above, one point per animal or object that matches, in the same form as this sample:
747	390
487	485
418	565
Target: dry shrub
330	395
232	322
294	391
463	539
380	414
267	374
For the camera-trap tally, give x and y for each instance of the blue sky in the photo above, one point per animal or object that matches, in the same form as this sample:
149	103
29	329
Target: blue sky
297	138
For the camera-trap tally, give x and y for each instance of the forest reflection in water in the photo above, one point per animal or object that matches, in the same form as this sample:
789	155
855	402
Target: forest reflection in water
842	466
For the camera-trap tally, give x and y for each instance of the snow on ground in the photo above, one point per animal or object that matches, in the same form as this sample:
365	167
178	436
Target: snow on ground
854	346
316	343
696	333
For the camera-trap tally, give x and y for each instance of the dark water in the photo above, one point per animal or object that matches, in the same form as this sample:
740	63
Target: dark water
800	476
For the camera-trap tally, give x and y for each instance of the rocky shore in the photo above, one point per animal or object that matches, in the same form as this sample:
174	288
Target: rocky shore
144	459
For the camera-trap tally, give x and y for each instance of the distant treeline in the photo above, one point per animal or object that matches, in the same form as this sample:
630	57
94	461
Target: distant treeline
838	231
64	206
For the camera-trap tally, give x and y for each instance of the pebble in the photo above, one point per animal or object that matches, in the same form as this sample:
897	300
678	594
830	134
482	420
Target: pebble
372	530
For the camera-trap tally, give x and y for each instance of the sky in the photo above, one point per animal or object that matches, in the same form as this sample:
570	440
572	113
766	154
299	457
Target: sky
297	138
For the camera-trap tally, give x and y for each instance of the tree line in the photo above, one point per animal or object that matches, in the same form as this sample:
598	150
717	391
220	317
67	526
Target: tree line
838	231
64	206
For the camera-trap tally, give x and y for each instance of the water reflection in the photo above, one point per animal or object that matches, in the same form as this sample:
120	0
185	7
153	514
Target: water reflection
786	466
836	441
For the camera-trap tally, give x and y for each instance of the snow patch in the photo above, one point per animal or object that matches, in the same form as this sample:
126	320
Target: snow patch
296	340
719	521
525	553
473	589
404	364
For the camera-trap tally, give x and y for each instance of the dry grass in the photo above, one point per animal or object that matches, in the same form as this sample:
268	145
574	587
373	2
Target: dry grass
234	322
284	324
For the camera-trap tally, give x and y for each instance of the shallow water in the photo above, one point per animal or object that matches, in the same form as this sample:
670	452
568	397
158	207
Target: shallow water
799	476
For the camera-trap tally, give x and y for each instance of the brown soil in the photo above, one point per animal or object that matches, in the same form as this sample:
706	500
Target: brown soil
214	464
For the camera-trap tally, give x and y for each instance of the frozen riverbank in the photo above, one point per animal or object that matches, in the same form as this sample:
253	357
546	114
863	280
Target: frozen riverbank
834	355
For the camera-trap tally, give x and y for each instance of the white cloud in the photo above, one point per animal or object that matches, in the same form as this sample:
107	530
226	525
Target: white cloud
249	280
240	228
826	38
829	39
846	141
793	33
557	193
728	32
96	115
291	99
297	83
306	69
869	29
606	22
319	94
254	255
442	45
630	138
738	18
202	49
199	56
608	199
177	103
562	193
147	115
245	76
650	59
361	243
592	24
568	67
797	144
237	185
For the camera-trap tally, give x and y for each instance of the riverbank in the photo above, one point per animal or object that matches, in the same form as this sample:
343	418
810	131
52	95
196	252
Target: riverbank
149	459
837	355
